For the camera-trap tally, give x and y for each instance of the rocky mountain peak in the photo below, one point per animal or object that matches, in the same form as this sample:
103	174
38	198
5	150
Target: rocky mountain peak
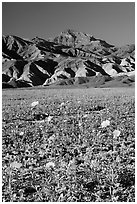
71	37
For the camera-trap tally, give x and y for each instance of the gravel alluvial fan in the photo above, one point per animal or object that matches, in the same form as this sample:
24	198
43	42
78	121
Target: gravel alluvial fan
68	56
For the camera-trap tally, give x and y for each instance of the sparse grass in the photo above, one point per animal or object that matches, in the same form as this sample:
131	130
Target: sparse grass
70	157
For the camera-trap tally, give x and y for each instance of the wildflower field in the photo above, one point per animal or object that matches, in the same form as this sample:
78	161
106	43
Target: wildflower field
71	145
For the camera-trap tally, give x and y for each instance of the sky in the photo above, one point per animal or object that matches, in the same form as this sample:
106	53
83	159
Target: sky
113	22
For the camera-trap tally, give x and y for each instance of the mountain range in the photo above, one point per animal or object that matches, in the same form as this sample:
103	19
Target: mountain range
70	59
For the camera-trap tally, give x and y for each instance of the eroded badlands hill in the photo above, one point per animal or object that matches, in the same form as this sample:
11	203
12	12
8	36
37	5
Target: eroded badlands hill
72	58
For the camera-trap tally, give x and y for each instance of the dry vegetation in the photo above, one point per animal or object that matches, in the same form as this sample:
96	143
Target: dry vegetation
72	145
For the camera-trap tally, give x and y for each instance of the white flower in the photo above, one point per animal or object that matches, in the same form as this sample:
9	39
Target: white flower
63	164
41	121
40	126
79	124
21	133
49	118
50	164
35	103
85	116
105	123
116	133
93	130
118	159
93	163
62	104
41	152
51	139
71	166
65	120
15	165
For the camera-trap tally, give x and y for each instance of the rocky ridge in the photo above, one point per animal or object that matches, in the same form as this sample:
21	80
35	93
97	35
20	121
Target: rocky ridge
72	58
